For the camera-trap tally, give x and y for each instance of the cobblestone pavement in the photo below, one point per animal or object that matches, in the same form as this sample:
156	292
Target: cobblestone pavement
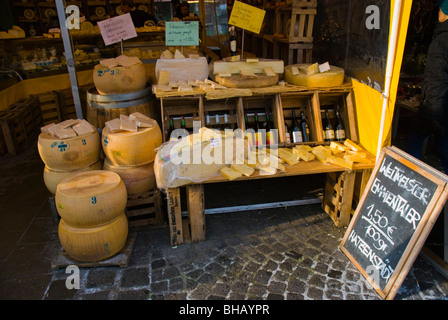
274	254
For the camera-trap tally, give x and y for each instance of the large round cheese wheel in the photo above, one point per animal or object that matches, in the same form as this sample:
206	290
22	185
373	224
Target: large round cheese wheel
94	244
91	198
131	148
331	78
69	154
119	79
137	179
53	177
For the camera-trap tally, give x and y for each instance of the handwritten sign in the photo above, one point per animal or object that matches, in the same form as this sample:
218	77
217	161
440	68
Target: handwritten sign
246	17
182	33
118	28
396	212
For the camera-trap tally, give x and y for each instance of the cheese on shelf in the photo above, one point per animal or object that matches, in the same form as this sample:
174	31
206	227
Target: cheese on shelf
243	168
230	174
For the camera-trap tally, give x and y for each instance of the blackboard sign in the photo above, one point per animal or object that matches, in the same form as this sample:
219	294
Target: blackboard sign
396	212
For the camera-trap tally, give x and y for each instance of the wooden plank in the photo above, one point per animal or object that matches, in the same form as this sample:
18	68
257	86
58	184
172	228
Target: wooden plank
175	216
351	115
196	213
346	196
317	117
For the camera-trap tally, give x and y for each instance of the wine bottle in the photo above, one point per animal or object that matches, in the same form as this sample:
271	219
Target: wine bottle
305	128
226	122
249	136
340	128
269	133
207	121
232	40
296	131
287	133
218	125
170	130
328	128
258	138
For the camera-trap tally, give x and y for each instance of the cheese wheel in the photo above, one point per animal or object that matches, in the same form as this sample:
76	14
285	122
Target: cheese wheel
53	177
236	81
94	244
119	79
137	179
69	154
131	148
91	198
331	78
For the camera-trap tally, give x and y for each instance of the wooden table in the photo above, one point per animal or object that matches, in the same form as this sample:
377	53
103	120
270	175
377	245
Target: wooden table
337	204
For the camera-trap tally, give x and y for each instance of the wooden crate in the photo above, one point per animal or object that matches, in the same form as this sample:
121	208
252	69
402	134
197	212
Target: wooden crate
342	193
49	107
67	105
144	209
19	127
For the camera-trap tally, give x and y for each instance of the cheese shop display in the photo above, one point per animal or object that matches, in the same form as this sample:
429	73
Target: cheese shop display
90	198
137	179
69	145
94	243
53	177
118	75
197	157
131	140
314	75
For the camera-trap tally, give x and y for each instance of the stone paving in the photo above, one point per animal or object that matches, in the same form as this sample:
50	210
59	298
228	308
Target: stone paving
274	254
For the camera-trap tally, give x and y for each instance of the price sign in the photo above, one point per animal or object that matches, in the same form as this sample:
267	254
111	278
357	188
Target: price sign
401	203
116	29
182	33
246	17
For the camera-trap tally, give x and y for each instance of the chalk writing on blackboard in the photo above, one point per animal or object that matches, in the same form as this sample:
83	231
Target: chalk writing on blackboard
182	33
390	218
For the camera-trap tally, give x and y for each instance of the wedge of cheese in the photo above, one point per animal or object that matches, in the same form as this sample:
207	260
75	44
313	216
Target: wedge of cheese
340	162
287	155
353	146
230	174
243	168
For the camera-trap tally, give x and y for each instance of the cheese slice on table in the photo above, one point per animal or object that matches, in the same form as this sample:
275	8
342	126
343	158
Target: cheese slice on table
243	168
288	156
353	146
340	162
230	174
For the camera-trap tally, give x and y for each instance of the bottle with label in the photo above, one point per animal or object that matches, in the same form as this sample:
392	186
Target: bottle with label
227	125
328	128
339	127
305	128
287	134
258	139
232	40
269	132
207	121
218	125
249	136
296	131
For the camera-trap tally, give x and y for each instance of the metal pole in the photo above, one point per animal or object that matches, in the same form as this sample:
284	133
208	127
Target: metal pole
68	48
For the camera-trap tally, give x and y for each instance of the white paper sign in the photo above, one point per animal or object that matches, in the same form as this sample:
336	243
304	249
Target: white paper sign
118	28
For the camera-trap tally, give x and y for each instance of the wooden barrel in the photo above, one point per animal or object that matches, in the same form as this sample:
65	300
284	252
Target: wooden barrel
94	244
90	198
102	108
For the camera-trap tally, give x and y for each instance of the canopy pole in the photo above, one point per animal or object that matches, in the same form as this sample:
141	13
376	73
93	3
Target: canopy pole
71	63
389	68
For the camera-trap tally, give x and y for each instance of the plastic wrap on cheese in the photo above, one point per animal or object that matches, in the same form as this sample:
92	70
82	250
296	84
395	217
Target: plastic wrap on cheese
198	157
187	69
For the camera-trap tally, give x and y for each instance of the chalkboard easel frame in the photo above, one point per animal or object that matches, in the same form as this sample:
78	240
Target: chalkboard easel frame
421	232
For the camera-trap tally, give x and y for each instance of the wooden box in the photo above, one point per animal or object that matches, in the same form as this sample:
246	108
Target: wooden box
20	126
144	209
49	107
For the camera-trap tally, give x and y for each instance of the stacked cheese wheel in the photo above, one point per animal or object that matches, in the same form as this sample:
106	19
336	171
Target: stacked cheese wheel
93	223
131	155
66	156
